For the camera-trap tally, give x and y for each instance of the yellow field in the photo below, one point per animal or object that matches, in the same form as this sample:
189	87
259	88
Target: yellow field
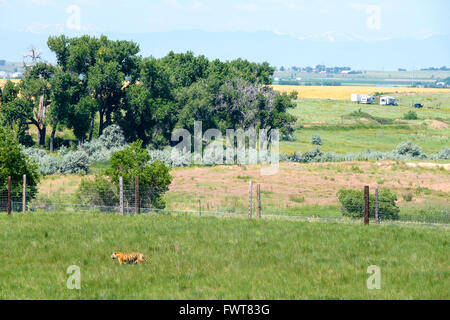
334	93
3	82
345	92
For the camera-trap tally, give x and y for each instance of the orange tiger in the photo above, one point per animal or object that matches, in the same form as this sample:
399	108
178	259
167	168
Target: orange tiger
128	258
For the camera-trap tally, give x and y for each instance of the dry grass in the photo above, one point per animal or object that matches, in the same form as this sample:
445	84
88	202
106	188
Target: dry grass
345	92
294	189
315	184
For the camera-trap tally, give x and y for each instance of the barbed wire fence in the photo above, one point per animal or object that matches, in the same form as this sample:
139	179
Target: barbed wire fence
128	198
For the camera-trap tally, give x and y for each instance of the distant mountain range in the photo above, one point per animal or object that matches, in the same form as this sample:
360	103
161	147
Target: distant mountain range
278	50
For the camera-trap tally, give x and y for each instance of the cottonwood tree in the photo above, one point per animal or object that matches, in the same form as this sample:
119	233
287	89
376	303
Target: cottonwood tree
35	89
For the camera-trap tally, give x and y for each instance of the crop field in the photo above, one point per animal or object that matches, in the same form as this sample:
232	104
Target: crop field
212	258
345	92
3	82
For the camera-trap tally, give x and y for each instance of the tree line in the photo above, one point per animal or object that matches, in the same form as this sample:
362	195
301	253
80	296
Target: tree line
98	82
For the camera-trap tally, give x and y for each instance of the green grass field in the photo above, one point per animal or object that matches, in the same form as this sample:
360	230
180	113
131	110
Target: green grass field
211	258
342	133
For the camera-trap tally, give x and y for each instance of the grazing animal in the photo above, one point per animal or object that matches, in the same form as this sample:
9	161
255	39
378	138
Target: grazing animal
128	258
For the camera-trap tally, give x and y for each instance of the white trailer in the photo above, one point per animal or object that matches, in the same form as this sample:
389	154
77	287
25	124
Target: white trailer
356	97
388	101
367	99
363	98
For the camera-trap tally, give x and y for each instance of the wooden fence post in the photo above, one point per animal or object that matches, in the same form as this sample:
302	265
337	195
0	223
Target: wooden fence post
377	218
9	196
121	195
250	195
259	200
200	207
137	202
24	194
366	205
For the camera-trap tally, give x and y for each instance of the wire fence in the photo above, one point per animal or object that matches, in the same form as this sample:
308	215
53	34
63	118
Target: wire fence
133	198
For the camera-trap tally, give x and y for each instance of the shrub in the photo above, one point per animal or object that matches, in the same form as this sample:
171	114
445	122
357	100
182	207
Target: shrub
99	192
101	149
408	149
133	162
410	115
444	154
75	162
408	197
47	164
352	204
316	140
312	156
112	137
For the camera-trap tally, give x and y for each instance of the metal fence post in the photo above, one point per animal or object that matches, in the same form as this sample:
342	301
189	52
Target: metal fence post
121	195
259	200
250	195
366	205
137	202
200	207
24	194
9	196
377	218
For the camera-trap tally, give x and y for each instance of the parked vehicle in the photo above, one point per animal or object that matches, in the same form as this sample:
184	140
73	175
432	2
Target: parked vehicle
388	101
418	106
363	98
367	99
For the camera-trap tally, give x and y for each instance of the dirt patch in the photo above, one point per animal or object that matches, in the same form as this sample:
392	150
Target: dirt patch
429	165
435	124
296	185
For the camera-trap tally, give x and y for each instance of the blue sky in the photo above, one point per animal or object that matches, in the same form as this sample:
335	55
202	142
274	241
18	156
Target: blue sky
328	20
358	33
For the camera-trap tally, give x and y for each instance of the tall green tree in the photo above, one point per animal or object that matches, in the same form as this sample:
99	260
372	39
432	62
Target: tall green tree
14	164
15	112
150	112
35	88
66	92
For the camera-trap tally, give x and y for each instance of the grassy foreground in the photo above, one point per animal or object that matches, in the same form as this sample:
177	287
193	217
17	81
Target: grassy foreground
210	258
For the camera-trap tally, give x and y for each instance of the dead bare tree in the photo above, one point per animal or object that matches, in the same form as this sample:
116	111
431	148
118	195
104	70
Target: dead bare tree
34	55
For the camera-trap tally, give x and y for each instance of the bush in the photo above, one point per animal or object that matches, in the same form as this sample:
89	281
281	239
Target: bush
316	140
49	165
99	192
444	154
133	162
408	149
408	197
410	115
101	149
112	137
352	204
75	162
14	163
312	156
